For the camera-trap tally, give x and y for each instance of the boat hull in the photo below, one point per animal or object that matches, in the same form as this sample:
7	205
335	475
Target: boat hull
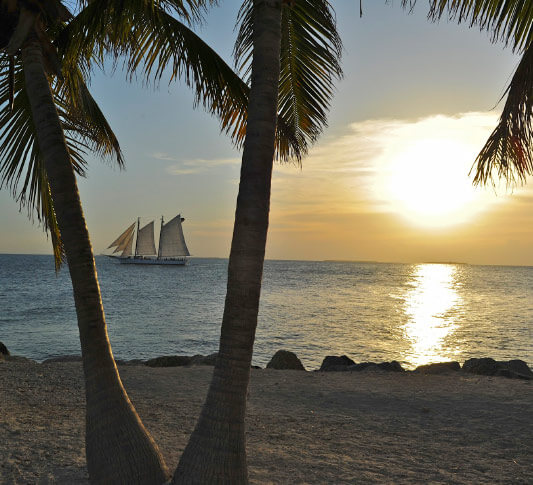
159	262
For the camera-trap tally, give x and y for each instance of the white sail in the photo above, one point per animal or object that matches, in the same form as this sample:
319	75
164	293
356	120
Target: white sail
124	242
171	240
126	247
145	241
123	237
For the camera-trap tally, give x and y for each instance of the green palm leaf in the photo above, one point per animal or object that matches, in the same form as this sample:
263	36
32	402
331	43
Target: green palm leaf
152	42
508	153
310	63
508	20
509	150
21	169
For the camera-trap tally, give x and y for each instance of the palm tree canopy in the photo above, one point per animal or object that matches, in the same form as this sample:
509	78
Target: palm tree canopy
508	153
310	63
152	41
507	20
86	129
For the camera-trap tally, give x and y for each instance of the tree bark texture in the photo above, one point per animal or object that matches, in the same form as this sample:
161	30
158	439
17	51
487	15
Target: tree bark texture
216	452
119	450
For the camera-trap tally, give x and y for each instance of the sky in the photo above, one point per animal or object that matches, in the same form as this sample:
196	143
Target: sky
387	181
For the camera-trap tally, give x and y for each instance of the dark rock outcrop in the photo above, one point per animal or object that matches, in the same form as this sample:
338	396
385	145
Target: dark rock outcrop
3	349
336	363
168	361
392	366
63	358
484	366
283	359
514	369
439	368
129	362
518	366
210	359
181	360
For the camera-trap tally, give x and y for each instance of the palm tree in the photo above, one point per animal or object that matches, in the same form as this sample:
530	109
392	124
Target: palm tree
508	153
112	424
118	448
303	37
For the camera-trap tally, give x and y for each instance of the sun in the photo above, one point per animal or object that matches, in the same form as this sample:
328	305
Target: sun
426	181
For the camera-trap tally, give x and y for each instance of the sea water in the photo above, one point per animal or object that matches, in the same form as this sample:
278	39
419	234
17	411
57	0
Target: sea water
412	313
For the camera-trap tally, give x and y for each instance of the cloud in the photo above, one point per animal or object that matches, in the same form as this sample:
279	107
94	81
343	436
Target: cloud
199	165
377	166
162	156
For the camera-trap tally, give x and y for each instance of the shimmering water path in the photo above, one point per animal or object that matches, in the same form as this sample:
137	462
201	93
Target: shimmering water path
413	313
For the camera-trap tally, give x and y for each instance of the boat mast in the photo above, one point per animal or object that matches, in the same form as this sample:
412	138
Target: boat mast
160	232
137	240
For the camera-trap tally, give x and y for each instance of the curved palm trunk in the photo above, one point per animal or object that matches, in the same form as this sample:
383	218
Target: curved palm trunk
216	452
118	448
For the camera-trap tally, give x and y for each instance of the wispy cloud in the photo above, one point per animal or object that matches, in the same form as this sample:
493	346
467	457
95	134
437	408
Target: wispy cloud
162	156
364	170
199	165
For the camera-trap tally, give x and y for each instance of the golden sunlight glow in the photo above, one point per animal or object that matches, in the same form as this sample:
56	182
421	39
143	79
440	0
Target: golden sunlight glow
430	306
427	182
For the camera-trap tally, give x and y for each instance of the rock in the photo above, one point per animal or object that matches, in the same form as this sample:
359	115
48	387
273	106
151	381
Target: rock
63	358
182	360
18	358
513	369
439	368
168	361
484	366
392	366
364	366
210	359
3	349
130	362
336	363
283	359
519	367
337	368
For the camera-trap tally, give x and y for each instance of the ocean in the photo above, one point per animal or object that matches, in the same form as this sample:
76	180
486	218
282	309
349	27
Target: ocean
412	313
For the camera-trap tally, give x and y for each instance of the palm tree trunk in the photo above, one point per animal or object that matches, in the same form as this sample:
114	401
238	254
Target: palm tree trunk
119	450
216	452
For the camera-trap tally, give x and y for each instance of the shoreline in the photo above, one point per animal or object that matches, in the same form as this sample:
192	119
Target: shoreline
286	360
302	427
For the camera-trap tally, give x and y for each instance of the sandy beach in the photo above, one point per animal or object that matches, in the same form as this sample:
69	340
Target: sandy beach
303	427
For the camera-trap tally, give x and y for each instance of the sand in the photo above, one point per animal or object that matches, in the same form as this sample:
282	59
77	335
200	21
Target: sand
303	427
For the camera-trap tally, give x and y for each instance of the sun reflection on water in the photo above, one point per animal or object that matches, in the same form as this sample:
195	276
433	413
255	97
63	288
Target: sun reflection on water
430	307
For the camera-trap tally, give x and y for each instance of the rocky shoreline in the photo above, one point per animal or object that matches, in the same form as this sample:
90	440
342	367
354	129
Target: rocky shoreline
286	360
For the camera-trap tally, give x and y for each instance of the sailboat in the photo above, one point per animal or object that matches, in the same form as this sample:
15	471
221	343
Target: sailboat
172	247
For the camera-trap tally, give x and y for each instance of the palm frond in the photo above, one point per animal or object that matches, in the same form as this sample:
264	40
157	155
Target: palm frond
102	25
83	118
154	43
507	20
161	45
21	169
309	65
508	152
